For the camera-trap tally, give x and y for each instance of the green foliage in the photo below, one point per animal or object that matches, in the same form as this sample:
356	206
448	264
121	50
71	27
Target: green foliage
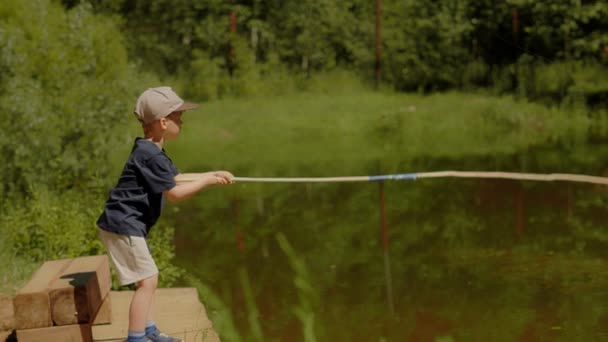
425	46
476	74
428	52
162	249
575	82
205	78
14	270
566	28
50	225
65	92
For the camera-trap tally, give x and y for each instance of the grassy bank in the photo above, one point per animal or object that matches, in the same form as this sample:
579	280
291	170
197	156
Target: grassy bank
349	133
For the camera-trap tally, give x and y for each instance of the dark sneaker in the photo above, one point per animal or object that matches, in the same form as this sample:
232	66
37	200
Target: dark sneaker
158	336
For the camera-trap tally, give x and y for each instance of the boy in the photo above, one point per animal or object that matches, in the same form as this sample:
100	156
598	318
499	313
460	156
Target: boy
135	204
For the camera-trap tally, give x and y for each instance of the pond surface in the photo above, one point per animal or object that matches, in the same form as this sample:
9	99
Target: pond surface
450	259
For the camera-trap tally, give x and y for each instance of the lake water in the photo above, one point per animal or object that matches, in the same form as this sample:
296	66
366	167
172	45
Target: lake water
454	260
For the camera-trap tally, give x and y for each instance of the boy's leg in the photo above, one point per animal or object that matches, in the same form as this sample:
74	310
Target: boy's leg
132	259
150	317
141	302
150	323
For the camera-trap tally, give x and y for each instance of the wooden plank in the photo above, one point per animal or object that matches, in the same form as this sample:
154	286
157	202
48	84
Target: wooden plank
178	313
104	314
7	323
78	292
32	306
65	333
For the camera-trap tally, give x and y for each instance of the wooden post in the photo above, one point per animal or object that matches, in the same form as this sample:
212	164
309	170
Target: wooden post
515	23
32	305
378	43
233	22
79	291
231	65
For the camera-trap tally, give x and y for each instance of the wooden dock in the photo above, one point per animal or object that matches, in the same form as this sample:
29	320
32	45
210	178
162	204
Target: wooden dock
179	313
69	300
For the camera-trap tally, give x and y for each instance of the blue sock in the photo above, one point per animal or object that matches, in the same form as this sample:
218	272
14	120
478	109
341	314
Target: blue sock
136	336
150	327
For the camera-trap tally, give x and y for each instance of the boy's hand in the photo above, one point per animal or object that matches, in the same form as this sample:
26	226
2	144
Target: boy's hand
223	177
191	183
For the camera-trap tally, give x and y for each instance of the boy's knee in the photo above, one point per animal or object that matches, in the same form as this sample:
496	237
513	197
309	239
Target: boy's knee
149	283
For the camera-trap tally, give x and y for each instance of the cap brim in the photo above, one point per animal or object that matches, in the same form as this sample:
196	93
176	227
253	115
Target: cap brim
187	106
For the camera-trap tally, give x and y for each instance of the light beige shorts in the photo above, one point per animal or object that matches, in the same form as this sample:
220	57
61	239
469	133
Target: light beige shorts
130	256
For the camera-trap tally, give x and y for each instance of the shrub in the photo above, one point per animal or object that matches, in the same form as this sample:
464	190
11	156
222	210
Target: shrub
51	226
65	92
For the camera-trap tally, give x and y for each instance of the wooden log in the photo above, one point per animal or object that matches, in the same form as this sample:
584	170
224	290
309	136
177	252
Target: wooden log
7	322
7	336
65	333
104	314
78	292
32	306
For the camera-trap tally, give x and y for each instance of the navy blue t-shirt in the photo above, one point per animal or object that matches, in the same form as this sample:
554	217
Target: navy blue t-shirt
136	202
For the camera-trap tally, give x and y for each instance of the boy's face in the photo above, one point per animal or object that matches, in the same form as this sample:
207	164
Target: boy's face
174	125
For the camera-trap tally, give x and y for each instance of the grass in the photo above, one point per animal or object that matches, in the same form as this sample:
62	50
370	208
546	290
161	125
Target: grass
349	134
14	272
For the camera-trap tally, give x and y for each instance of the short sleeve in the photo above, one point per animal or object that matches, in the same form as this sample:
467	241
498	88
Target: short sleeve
159	173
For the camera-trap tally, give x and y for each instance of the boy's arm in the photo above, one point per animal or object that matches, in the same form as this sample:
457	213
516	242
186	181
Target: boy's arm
190	177
190	183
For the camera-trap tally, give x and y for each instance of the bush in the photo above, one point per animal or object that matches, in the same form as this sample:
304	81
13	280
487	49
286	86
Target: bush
589	84
162	248
51	226
571	82
66	90
204	77
476	74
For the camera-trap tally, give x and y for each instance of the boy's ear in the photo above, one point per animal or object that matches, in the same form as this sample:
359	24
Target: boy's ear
163	123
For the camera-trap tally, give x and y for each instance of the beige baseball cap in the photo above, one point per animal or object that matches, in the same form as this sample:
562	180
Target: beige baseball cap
156	103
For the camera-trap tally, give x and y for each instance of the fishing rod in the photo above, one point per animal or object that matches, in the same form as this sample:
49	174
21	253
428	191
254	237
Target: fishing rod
565	177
